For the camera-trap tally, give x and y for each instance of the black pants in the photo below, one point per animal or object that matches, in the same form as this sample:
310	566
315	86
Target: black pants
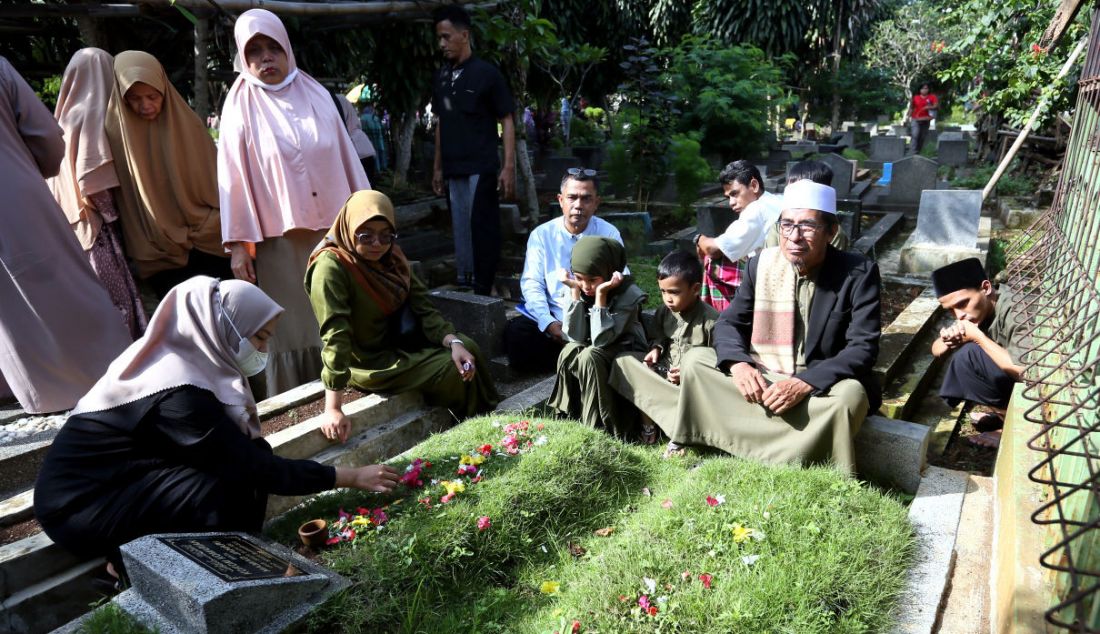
528	348
198	263
972	376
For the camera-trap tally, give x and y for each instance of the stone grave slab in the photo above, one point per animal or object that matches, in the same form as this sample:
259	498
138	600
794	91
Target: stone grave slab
777	160
801	148
847	125
953	151
899	130
636	228
910	177
844	172
512	221
221	582
554	167
713	218
847	138
887	149
476	316
947	230
951	135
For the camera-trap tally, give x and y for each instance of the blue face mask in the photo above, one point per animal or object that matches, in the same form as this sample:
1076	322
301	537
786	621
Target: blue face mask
250	360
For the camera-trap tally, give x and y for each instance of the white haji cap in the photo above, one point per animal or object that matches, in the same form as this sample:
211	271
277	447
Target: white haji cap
806	194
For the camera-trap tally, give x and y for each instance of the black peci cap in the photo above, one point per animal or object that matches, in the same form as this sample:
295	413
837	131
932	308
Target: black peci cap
968	273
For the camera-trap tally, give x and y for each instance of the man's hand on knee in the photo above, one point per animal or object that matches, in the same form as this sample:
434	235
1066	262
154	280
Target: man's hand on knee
785	394
749	382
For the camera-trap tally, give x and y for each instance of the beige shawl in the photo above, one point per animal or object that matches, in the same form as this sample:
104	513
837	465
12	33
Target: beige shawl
773	313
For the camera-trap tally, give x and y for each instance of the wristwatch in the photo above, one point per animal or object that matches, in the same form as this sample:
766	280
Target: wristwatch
452	342
696	239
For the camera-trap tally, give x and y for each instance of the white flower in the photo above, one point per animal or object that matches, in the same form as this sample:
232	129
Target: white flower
541	440
749	560
721	499
650	584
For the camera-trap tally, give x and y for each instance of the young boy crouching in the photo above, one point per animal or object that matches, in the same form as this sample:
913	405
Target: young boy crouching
683	321
985	344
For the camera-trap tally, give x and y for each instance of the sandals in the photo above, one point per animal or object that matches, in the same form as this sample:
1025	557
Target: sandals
673	450
649	434
986	421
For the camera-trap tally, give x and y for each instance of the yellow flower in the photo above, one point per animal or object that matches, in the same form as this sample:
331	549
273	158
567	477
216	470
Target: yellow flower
453	486
474	460
741	534
360	521
549	587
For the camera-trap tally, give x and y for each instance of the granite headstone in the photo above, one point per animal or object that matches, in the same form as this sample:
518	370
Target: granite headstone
844	172
221	582
953	151
911	176
887	149
478	317
949	217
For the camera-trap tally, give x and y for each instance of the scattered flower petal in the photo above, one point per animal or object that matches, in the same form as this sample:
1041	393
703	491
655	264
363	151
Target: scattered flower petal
706	579
646	492
576	624
667	504
652	610
549	587
650	584
604	532
741	534
712	501
483	522
685	575
643	601
749	560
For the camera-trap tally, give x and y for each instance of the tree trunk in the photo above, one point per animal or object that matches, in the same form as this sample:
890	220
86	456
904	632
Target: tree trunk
90	32
403	137
836	68
523	163
202	77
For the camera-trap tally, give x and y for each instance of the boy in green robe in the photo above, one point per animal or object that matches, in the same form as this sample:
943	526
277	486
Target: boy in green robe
682	322
601	321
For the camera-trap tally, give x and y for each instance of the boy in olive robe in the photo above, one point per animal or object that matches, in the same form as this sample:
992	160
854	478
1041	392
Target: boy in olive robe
682	322
601	321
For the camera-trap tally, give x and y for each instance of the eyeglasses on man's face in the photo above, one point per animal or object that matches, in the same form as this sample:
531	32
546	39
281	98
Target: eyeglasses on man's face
578	171
370	237
805	229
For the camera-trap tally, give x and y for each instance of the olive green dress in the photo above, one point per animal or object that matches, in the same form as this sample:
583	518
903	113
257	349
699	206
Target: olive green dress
596	336
357	349
674	334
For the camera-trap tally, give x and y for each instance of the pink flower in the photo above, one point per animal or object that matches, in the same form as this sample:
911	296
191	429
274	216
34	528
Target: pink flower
712	501
343	515
426	501
576	624
643	601
447	498
476	480
379	517
467	469
483	522
685	575
706	579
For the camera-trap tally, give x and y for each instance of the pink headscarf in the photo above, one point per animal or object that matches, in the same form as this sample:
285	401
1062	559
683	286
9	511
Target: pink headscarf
285	160
88	167
190	341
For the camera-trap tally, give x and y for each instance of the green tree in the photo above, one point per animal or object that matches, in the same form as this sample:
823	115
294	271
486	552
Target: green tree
908	45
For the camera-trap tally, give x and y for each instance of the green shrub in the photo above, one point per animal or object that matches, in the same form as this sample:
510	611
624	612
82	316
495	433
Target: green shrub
853	154
689	169
580	519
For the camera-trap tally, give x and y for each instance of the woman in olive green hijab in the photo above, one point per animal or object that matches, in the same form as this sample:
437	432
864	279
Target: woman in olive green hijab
379	330
603	320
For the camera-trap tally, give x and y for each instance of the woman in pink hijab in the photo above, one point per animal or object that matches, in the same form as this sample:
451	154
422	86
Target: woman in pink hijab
84	185
168	440
285	167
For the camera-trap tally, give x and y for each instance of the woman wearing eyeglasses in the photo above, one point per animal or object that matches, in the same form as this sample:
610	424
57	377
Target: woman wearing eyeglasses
380	330
285	165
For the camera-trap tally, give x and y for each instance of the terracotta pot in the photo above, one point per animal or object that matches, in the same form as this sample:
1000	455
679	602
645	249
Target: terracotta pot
314	533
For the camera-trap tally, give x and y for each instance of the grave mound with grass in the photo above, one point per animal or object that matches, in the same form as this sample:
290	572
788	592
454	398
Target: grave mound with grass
540	526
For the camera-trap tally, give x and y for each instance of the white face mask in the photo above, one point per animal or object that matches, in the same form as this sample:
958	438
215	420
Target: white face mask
250	360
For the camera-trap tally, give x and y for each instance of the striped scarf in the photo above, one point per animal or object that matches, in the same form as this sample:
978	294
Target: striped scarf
721	278
773	322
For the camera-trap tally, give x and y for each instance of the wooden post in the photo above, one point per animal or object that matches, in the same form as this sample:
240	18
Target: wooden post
202	76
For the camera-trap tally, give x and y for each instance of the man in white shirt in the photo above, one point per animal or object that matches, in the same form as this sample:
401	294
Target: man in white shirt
757	210
534	339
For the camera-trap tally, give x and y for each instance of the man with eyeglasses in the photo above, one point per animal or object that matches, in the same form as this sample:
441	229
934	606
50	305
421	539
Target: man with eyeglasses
798	344
470	98
533	340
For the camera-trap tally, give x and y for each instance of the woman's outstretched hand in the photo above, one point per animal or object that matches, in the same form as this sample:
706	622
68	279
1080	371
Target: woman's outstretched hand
379	478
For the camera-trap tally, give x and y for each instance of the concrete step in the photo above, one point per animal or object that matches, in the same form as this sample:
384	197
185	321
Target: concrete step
17	508
305	393
900	339
52	602
19	463
901	398
375	444
31	560
11	411
967	606
305	440
533	396
886	227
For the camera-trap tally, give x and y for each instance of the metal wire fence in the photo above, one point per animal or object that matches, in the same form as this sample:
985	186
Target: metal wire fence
1055	267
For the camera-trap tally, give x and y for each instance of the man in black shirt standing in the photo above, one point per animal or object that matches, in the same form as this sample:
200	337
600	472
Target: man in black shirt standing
469	98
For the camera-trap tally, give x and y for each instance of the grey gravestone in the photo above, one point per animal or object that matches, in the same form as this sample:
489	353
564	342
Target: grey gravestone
949	218
850	212
847	138
847	125
931	136
951	135
844	172
711	220
511	220
802	147
555	167
899	130
777	160
887	149
883	119
911	176
221	582
476	316
636	228
953	152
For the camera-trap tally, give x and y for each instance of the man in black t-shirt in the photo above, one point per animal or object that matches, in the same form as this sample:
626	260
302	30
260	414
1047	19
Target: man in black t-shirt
469	98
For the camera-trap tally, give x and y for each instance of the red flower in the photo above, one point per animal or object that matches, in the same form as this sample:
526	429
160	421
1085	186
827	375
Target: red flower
706	579
540	426
712	501
379	517
476	480
332	541
426	501
651	610
483	522
485	449
623	598
576	627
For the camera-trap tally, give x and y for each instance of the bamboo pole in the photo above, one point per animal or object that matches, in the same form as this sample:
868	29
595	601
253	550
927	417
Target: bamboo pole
1031	122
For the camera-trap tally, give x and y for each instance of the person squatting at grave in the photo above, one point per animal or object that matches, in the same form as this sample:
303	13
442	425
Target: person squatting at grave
602	320
723	256
818	172
534	339
285	166
682	322
985	343
921	112
168	180
379	328
168	440
86	184
798	343
46	284
469	98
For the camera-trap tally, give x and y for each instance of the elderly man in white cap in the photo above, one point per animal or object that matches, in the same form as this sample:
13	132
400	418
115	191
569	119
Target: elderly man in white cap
789	378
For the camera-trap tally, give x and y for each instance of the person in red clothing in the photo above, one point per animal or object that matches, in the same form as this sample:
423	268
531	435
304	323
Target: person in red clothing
921	112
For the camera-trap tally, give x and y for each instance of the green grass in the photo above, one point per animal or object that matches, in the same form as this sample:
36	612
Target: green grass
832	557
1010	184
111	619
644	270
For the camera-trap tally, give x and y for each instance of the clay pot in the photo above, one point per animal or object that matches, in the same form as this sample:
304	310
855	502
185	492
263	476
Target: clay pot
314	533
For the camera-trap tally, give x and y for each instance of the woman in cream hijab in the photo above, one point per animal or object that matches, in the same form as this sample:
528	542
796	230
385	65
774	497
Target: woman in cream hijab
168	440
285	165
167	172
84	186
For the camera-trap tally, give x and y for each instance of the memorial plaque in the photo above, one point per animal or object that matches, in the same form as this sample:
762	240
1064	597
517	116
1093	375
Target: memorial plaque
230	557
